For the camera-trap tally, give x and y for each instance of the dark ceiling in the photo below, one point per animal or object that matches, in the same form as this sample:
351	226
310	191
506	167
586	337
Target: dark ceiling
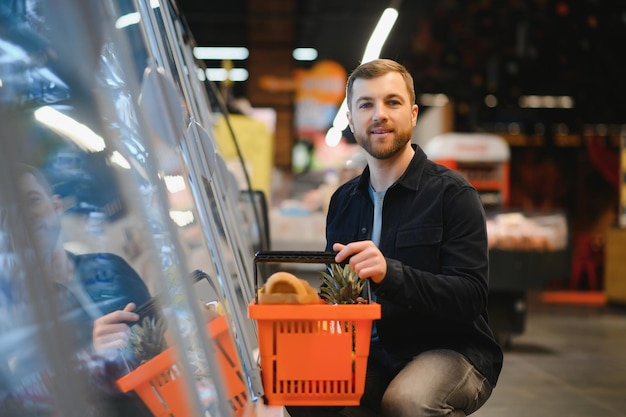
466	49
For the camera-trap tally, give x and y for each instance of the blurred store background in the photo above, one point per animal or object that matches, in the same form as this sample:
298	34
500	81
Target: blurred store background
545	76
183	136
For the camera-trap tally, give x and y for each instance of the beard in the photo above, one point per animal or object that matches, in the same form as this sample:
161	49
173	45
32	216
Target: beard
384	151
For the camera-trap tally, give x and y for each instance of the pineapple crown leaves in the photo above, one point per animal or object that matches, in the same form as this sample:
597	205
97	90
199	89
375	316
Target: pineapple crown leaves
147	338
342	285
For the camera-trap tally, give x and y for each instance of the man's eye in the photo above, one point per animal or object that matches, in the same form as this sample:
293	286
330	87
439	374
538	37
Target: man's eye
365	105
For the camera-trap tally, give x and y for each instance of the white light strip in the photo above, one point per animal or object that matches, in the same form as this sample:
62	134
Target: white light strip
127	20
119	160
220	52
174	183
304	54
77	132
372	51
546	102
133	18
182	218
238	74
380	34
222	74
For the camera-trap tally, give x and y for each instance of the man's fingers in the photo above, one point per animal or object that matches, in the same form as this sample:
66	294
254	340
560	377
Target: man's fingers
338	247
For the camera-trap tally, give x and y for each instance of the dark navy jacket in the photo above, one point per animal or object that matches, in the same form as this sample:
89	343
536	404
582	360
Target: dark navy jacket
434	239
109	282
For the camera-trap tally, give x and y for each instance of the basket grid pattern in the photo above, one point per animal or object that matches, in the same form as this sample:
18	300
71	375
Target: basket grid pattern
312	354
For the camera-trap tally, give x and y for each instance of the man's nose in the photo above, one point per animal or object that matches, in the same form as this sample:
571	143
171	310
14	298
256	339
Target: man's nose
379	113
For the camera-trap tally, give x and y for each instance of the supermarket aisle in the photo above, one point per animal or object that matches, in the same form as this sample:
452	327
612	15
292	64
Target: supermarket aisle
571	361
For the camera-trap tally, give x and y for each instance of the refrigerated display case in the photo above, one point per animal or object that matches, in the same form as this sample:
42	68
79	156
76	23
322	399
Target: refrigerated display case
482	158
527	249
126	203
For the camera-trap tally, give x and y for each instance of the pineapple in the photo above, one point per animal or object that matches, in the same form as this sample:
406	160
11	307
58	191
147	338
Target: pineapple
342	286
147	339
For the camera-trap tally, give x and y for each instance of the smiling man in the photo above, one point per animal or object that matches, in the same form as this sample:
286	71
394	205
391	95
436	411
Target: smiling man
417	231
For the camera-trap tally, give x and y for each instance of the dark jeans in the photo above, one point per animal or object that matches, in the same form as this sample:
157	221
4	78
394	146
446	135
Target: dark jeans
434	383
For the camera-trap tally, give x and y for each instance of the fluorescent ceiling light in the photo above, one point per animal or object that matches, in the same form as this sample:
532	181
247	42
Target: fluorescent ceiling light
133	18
77	132
372	51
333	137
304	54
119	160
222	74
220	52
380	34
341	120
182	218
127	20
217	74
174	183
238	74
546	102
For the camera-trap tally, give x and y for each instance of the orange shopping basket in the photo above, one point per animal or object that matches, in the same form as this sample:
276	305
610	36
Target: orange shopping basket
161	386
313	354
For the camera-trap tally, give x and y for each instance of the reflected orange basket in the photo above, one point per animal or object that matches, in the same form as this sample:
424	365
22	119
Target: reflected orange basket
161	386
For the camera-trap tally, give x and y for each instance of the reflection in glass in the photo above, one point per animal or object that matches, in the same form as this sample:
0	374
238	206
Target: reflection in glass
91	258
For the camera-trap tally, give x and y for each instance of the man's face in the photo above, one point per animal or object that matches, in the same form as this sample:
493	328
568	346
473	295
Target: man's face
42	211
382	116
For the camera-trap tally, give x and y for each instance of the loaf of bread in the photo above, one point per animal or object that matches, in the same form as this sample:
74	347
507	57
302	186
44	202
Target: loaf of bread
286	288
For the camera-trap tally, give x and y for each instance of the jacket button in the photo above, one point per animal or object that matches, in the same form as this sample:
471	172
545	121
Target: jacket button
363	230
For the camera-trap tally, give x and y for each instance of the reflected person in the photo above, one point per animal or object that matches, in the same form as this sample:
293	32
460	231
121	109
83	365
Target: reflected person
96	294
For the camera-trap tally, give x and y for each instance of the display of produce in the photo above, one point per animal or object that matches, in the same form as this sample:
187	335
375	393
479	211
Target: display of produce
286	288
527	231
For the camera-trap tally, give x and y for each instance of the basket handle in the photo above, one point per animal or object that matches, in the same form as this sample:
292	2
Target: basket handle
308	257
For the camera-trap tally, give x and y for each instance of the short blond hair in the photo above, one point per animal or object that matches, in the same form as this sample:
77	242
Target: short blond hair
378	68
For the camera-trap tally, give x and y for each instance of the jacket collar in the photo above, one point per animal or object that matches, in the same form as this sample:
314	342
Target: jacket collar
410	179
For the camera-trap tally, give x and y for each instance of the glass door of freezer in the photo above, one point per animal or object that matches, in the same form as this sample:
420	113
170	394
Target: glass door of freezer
102	238
170	51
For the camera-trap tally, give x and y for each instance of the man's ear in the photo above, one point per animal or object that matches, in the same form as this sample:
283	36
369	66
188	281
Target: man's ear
349	117
415	111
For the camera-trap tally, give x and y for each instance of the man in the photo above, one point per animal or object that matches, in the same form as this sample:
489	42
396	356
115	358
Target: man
94	294
417	231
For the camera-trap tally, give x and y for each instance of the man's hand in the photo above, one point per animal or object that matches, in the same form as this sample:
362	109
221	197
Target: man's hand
365	259
110	332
